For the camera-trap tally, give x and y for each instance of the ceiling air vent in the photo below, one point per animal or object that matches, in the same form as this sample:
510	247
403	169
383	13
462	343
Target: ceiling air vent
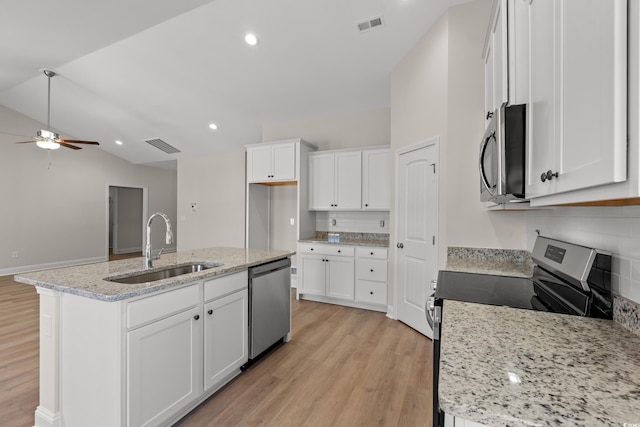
161	145
370	24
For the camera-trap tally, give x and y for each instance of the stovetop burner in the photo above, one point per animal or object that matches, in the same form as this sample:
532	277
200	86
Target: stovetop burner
568	278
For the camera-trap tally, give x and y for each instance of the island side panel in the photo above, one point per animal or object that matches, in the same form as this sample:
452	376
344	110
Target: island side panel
48	411
92	367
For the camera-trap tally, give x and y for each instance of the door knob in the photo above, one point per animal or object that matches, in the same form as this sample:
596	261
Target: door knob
399	246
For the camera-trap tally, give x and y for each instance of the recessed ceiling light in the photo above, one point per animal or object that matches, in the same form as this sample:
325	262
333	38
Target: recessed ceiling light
251	39
119	142
213	126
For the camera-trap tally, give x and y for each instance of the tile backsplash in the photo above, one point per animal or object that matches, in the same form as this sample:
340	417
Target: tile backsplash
613	229
356	222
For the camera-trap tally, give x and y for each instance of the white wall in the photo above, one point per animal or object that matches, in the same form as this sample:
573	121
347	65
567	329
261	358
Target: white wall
217	185
352	130
613	229
57	214
437	90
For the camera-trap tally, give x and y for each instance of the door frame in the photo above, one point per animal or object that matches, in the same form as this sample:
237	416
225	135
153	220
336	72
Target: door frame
433	141
145	213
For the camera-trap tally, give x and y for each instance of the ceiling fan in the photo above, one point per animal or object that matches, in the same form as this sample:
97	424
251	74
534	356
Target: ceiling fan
48	139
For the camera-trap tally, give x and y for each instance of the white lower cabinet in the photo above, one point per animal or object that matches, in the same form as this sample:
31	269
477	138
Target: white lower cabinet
163	368
341	274
226	337
182	344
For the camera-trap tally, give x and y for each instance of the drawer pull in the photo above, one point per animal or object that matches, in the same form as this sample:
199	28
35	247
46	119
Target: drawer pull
210	312
371	292
372	270
339	251
371	253
196	317
311	249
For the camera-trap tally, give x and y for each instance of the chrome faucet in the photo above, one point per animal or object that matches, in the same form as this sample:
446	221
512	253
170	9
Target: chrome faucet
169	238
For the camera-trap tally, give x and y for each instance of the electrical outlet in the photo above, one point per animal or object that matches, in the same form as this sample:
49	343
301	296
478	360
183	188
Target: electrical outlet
14	254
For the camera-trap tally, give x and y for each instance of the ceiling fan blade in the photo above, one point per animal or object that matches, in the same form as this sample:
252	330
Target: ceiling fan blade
25	142
15	134
73	147
79	142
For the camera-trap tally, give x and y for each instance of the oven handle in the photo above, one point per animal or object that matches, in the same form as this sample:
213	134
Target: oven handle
483	148
429	309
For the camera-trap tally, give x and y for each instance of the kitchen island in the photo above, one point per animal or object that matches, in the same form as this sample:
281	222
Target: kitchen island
115	354
504	366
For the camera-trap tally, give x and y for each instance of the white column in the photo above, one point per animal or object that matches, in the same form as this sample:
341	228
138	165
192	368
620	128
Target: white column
48	411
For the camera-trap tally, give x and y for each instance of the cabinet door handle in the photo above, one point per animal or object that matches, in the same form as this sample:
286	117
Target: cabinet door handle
371	292
372	270
366	205
196	317
371	253
210	312
339	251
548	175
400	246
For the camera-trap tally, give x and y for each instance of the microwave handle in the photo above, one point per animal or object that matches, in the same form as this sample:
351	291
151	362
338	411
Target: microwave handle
483	148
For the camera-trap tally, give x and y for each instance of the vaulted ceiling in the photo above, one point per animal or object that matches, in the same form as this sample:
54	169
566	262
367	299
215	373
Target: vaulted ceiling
134	70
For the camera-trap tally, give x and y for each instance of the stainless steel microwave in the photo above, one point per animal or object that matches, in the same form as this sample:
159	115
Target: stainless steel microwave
502	156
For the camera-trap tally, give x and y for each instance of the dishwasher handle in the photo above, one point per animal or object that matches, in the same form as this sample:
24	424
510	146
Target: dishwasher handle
261	270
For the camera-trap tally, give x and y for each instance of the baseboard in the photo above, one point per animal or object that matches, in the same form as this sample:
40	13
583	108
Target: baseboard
45	418
50	265
137	249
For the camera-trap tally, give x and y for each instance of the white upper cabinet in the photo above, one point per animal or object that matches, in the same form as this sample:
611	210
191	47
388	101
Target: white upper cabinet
505	56
375	179
271	162
349	180
577	128
335	180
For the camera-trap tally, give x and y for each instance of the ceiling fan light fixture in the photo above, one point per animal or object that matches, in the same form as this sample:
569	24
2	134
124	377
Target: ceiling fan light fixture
251	39
47	144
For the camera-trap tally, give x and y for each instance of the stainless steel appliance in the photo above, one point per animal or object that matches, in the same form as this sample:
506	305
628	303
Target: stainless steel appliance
269	305
568	278
502	156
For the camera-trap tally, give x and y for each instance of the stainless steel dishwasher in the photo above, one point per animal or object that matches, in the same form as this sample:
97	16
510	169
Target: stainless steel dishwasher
269	305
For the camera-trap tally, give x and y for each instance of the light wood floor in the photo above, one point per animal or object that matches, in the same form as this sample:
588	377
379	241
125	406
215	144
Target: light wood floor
343	367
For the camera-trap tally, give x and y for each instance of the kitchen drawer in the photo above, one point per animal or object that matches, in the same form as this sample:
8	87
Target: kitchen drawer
319	249
371	269
218	287
162	305
371	292
370	252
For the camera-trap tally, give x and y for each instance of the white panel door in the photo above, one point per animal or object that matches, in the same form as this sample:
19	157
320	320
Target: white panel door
284	161
313	274
226	337
348	190
416	252
321	181
341	277
164	368
375	183
260	167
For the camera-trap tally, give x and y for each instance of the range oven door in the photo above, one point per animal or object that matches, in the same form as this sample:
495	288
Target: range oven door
436	318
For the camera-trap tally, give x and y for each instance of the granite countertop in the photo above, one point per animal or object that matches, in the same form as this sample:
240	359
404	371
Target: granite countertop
347	242
88	280
503	366
501	262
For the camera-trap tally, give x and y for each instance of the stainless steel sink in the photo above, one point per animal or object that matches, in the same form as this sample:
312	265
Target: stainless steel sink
163	273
